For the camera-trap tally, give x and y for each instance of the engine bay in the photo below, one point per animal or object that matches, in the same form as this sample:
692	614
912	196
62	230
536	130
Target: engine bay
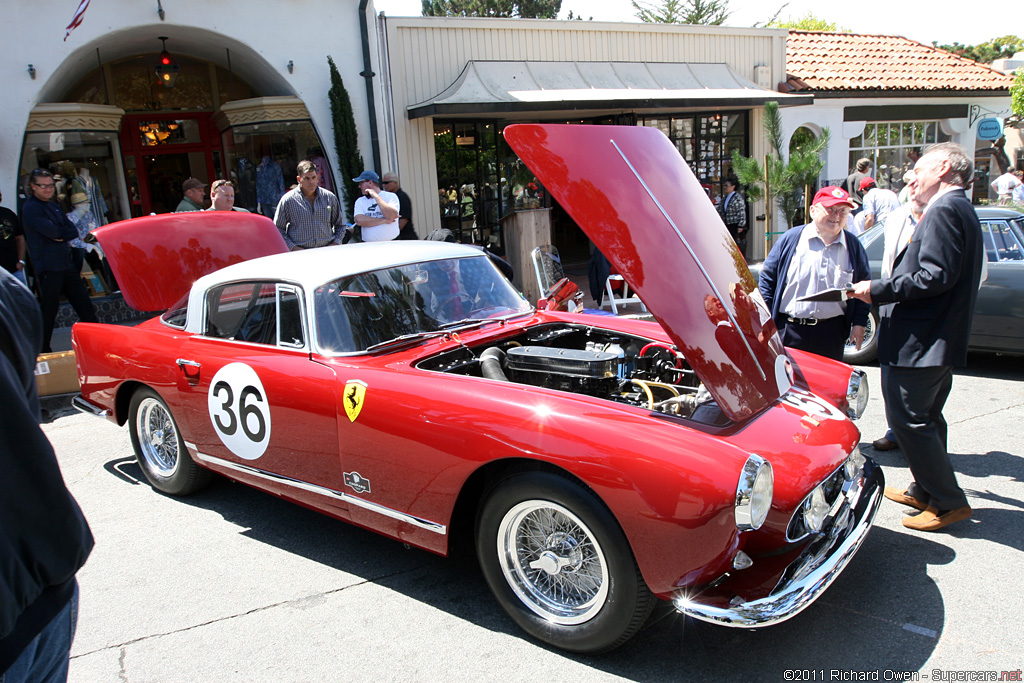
589	360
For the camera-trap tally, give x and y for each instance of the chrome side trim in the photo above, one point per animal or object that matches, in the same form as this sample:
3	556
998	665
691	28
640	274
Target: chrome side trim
84	406
795	594
321	491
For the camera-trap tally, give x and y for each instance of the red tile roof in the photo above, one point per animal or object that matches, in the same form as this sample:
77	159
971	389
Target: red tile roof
835	62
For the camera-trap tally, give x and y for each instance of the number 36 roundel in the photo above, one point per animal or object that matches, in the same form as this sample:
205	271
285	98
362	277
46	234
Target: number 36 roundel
239	410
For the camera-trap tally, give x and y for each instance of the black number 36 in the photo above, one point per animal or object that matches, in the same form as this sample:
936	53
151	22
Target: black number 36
246	409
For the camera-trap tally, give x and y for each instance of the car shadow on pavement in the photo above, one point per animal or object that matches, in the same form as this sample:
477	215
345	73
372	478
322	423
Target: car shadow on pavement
884	603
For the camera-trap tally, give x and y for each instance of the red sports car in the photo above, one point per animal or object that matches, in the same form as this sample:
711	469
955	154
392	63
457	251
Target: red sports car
597	463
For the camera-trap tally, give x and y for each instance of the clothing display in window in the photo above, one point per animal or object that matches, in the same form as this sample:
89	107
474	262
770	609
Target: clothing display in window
86	184
269	182
246	181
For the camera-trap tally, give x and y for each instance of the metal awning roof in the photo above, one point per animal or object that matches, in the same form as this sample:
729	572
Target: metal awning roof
524	86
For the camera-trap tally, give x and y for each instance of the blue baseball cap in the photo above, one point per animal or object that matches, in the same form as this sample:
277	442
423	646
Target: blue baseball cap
367	175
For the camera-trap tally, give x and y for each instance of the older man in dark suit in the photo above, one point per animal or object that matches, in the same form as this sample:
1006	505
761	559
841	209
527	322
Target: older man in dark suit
926	310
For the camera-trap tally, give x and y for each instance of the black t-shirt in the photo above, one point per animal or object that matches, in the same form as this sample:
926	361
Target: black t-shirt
9	227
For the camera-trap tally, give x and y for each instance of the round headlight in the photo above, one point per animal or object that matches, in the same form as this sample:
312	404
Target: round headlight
754	493
815	508
854	464
856	394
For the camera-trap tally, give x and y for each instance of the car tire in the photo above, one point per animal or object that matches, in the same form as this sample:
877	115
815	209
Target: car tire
582	590
869	348
159	448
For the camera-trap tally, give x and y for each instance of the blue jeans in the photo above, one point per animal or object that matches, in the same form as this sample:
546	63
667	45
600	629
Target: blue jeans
45	660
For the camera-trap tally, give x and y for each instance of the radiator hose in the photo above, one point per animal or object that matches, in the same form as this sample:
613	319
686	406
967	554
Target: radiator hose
491	362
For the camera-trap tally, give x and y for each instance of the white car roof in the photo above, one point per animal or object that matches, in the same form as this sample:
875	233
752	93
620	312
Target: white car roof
313	267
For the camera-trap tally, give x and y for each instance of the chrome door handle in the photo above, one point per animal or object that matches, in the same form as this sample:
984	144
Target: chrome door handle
182	363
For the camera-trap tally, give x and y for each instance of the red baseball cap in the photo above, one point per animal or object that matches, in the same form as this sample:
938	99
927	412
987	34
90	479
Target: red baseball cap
865	183
832	195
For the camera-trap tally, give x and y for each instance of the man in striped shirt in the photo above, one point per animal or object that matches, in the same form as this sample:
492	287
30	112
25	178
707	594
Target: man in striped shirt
309	216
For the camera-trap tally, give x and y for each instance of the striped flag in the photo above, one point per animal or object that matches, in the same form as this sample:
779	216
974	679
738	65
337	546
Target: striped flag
77	19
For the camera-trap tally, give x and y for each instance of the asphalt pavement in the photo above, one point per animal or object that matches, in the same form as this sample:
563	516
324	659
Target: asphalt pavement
232	584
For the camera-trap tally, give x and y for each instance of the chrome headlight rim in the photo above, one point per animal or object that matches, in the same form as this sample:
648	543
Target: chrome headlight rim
754	493
856	394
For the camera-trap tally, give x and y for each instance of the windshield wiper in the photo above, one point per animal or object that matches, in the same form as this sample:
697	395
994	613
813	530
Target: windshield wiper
465	321
403	340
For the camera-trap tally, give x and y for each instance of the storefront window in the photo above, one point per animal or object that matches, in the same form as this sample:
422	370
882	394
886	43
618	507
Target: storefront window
894	148
707	142
261	160
81	162
472	189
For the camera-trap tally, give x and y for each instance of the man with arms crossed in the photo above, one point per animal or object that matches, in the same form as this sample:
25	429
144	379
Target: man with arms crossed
309	216
924	331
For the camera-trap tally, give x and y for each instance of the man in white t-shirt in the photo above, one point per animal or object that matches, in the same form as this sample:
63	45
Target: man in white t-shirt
376	210
1005	185
1018	192
878	203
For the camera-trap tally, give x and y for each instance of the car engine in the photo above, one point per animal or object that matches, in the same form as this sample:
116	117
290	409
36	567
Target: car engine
592	361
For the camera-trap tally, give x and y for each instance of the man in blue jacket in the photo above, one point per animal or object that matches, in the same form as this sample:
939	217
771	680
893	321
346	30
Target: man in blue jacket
44	538
48	233
926	307
811	259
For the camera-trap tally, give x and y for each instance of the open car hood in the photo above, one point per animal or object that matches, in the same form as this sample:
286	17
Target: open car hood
628	188
156	259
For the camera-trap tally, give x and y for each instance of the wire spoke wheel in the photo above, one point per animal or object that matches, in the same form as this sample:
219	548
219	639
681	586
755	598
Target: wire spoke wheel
158	437
553	562
159	448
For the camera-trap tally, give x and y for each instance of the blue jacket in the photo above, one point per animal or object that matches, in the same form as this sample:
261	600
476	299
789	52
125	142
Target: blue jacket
775	271
48	233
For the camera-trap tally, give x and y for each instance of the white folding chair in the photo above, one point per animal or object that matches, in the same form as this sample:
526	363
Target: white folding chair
615	301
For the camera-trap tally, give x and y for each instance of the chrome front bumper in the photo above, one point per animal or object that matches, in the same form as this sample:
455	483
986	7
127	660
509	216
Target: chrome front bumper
813	571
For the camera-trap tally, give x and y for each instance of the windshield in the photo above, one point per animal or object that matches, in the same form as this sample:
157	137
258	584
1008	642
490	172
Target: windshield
358	312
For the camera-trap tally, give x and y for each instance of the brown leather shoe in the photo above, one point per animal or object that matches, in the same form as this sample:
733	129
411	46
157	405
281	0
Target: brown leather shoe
903	498
884	444
931	520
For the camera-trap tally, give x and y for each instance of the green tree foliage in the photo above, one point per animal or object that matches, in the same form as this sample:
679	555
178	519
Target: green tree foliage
808	22
1017	94
703	12
1003	47
524	9
781	181
346	139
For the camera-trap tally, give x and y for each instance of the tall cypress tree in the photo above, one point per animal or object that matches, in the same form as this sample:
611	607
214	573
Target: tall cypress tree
346	139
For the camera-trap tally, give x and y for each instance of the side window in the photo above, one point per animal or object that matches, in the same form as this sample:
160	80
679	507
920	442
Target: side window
1005	243
244	312
289	311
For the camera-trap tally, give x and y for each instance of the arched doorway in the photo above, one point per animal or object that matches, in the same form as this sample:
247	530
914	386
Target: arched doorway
141	136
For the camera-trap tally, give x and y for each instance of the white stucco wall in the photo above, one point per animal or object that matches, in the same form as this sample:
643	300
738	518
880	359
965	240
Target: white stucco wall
828	113
262	40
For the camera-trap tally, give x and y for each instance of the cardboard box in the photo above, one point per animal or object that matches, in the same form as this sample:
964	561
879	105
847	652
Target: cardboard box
56	373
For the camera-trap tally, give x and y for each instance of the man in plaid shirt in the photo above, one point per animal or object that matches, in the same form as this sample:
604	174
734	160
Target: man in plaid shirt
309	216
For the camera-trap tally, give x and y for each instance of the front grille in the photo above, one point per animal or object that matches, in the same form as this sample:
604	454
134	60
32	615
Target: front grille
835	487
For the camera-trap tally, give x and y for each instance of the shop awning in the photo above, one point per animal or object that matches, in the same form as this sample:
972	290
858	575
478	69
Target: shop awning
506	87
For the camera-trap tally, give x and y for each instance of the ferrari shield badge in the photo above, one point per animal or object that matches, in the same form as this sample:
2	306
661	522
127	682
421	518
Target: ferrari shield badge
355	394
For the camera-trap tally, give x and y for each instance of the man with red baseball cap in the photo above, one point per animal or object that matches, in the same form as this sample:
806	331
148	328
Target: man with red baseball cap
812	259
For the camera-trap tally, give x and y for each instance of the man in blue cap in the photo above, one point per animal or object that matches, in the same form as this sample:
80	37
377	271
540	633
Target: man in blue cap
376	211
